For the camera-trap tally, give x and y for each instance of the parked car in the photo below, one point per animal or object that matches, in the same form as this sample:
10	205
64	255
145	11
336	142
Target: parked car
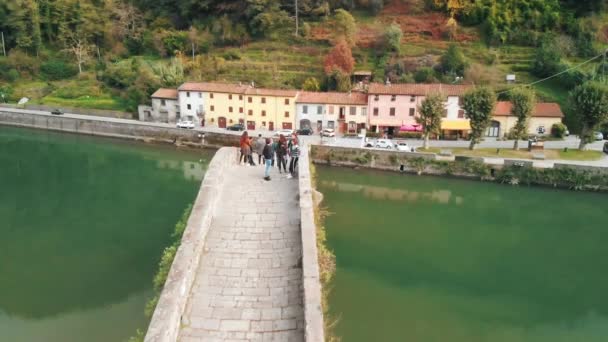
236	127
285	132
598	136
384	143
403	146
57	111
606	147
328	132
188	124
304	131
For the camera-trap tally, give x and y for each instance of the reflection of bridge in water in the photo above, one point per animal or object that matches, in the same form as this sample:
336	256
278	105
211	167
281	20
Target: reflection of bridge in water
384	193
191	170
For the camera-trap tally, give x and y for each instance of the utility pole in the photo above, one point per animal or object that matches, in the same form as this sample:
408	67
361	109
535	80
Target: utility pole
3	48
297	21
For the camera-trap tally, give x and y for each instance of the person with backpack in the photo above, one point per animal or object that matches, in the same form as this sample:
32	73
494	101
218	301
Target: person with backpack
259	145
267	154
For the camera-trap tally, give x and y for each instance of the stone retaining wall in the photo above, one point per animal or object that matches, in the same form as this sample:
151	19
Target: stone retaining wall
313	312
83	111
125	129
166	321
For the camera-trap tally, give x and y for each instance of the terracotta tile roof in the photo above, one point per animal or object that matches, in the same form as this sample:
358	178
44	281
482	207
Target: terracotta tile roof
165	93
271	92
353	98
213	87
543	109
417	89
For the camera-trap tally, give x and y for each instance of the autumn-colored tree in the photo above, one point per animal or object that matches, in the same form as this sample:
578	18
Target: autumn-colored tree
339	58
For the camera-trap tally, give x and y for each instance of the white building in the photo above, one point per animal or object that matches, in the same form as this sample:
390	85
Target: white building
192	100
344	112
165	107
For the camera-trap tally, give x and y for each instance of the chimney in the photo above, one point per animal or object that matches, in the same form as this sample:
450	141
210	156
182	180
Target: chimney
388	82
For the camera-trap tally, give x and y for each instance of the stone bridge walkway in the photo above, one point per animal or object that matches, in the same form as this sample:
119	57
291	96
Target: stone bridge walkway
249	283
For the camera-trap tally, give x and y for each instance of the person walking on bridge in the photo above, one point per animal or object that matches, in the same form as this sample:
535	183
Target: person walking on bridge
267	153
260	143
282	153
294	152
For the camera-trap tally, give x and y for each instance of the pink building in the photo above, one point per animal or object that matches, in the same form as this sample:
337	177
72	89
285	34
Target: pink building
393	105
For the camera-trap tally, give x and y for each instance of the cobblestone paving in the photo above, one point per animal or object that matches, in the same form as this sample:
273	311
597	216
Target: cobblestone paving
249	283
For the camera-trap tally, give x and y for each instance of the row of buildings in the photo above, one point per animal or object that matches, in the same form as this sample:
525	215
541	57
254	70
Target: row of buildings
383	108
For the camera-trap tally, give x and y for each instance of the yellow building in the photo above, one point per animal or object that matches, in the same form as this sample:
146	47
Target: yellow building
543	117
270	109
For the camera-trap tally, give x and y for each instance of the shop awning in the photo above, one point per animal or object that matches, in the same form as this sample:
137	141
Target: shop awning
455	125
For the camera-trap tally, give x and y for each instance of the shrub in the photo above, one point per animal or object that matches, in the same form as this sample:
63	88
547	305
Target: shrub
424	75
57	70
231	55
558	130
408	135
373	134
453	61
12	75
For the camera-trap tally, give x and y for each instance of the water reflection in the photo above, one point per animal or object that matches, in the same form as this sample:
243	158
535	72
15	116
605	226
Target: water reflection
385	193
83	224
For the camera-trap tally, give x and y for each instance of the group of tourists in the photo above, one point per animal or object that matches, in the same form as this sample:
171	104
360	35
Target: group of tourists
271	151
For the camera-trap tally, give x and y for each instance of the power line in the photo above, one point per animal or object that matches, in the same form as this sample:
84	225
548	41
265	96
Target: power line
603	54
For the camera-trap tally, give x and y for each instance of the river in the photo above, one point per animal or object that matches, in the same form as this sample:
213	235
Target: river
429	259
83	222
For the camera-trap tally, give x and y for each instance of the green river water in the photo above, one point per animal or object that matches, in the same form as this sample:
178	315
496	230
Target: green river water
83	222
428	259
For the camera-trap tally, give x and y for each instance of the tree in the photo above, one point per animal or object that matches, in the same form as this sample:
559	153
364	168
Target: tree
339	58
344	27
547	59
431	111
590	102
453	61
311	84
523	102
392	37
478	104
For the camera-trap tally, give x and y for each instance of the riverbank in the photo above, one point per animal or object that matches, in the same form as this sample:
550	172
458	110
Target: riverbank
511	171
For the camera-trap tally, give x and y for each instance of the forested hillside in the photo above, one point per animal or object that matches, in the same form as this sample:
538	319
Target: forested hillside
113	53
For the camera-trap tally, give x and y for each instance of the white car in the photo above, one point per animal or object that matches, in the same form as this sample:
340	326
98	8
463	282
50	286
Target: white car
185	124
598	136
328	132
384	143
403	146
285	132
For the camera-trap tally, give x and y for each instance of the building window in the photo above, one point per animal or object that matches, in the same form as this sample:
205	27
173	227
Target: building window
210	95
240	109
250	112
375	97
263	100
319	109
163	102
286	101
413	99
286	114
212	108
240	97
249	99
189	106
229	96
264	123
412	111
263	113
445	114
353	110
200	95
305	109
375	111
187	94
392	111
230	109
331	110
393	97
363	111
330	124
461	114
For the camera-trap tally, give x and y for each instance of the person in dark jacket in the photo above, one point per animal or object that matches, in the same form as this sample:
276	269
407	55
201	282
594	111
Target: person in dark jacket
282	153
267	153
